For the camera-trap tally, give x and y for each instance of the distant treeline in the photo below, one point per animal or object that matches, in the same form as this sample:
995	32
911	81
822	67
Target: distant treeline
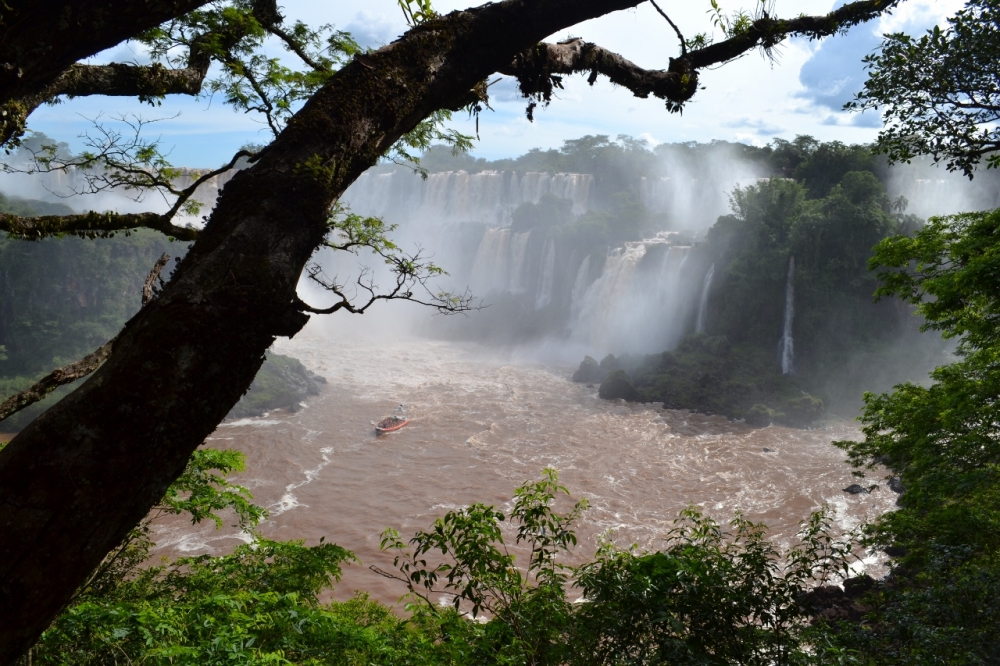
618	164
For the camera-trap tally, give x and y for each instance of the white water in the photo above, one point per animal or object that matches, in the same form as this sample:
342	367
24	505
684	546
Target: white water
484	422
633	309
456	196
787	346
580	285
703	301
500	262
548	274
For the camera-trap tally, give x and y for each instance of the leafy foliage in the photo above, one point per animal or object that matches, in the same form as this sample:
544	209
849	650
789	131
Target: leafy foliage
258	605
529	609
708	598
940	93
942	441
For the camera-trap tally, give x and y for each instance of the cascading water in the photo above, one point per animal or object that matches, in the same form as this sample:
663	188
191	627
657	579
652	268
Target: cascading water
500	261
787	345
640	303
703	301
579	288
548	276
457	196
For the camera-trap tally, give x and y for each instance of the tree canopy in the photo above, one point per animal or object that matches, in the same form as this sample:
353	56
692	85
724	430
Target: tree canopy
940	92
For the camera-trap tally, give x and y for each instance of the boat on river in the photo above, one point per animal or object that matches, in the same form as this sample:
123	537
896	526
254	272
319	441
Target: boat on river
391	424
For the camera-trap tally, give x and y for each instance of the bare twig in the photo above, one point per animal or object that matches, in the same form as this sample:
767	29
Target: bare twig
673	25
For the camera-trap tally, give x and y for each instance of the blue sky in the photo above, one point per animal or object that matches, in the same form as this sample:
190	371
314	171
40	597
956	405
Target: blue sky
751	100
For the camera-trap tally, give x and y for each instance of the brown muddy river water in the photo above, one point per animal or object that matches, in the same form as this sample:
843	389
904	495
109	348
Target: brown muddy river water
482	424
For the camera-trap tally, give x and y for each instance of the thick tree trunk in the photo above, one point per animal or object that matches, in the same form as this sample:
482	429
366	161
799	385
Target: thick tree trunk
78	478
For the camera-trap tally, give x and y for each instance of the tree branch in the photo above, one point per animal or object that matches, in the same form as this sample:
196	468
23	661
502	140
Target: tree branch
767	31
673	25
125	80
54	380
42	40
539	68
92	224
148	287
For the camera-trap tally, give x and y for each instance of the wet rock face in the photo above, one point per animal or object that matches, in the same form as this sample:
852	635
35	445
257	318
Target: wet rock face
589	372
282	383
618	385
832	603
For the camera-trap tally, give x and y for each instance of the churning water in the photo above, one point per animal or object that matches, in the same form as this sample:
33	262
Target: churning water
483	423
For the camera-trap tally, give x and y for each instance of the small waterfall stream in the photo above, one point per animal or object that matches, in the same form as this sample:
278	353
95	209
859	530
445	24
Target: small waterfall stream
703	301
548	275
787	344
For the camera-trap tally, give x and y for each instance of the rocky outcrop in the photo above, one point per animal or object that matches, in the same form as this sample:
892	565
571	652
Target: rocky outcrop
831	602
618	385
589	372
282	383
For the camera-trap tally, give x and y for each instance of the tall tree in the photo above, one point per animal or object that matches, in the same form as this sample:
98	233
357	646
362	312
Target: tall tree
77	479
940	92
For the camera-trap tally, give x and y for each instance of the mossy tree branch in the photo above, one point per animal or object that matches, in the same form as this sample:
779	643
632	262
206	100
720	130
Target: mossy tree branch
539	70
91	225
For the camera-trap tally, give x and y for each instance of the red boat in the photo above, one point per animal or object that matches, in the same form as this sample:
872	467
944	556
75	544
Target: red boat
391	424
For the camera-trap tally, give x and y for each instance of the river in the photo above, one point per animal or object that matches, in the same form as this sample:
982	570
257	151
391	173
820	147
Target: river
485	421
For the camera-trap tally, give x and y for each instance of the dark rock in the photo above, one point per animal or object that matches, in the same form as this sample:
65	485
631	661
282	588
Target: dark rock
281	382
830	602
857	489
609	363
894	551
589	372
895	484
767	450
590	386
858	586
618	385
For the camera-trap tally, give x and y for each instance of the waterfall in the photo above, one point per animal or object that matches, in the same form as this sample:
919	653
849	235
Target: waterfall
500	261
579	288
787	345
457	196
548	274
640	303
703	301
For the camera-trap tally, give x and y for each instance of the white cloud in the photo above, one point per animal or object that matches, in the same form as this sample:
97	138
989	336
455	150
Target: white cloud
750	100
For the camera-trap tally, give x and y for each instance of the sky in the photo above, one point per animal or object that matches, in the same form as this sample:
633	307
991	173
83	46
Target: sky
751	100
